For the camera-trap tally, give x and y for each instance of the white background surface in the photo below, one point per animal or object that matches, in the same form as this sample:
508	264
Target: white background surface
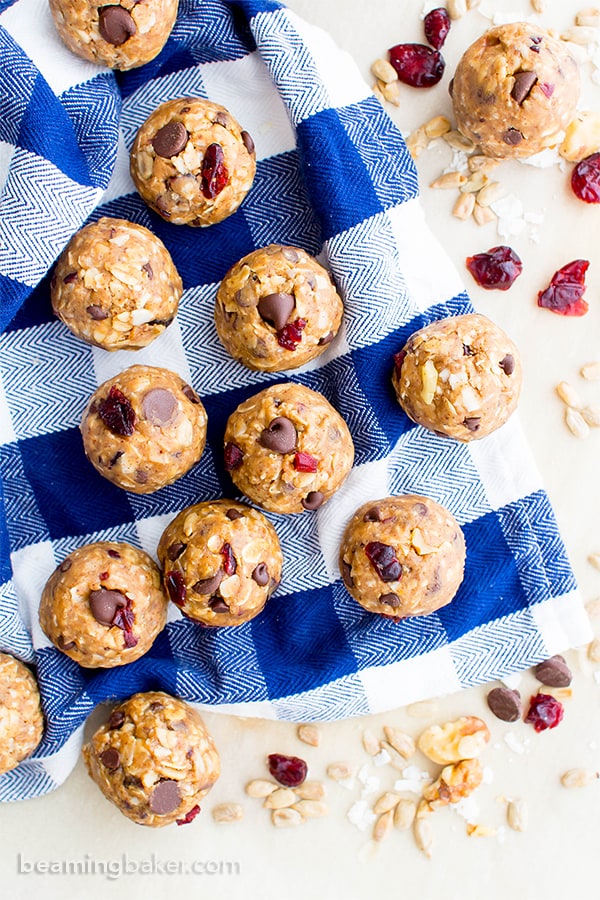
330	859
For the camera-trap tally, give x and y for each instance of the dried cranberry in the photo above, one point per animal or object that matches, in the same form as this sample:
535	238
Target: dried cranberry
398	360
545	711
124	619
290	771
495	270
117	413
585	179
291	334
383	559
417	65
176	587
546	87
304	462
189	816
229	563
564	294
213	171
233	456
437	25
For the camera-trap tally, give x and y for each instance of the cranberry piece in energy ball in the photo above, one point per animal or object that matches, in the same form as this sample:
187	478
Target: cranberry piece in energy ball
417	65
497	269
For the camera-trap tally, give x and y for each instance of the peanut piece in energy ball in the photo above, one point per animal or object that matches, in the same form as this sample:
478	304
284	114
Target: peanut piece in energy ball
515	90
221	562
288	449
192	162
154	759
104	605
459	377
144	429
276	309
402	556
21	720
115	285
120	36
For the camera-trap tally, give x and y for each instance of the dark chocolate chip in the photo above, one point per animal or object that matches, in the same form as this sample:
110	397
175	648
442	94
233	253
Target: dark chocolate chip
248	142
472	422
451	86
390	600
261	574
524	82
65	565
96	312
290	254
468	351
280	436
165	797
104	603
221	118
233	514
132	781
346	570
190	393
65	645
170	140
165	322
116	25
373	514
147	268
114	554
420	509
110	758
175	550
218	605
505	704
159	406
554	672
209	585
141	477
116	720
326	339
156	705
313	500
70	278
115	458
512	136
276	309
508	364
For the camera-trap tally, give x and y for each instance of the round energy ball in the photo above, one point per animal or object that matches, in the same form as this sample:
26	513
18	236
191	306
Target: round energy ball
459	377
121	36
515	90
21	720
288	449
192	162
154	759
115	285
144	429
402	556
104	605
276	309
221	562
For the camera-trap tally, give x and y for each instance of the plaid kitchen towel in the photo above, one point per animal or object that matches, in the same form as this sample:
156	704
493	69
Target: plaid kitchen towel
333	176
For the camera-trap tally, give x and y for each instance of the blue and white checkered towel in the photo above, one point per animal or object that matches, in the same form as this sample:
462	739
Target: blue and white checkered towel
334	177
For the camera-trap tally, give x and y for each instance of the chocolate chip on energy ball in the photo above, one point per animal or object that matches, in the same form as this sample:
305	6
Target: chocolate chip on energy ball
209	585
276	309
248	142
261	574
279	436
170	140
390	600
96	312
313	500
512	136
190	393
472	422
159	406
505	704
524	82
508	364
110	758
116	719
554	672
218	605
346	570
165	797
104	604
175	550
116	25
233	514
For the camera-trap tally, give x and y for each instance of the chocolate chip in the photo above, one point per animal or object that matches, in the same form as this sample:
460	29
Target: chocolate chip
209	585
141	477
70	278
451	86
165	797
326	339
155	706
190	393
276	309
472	422
468	351
390	600
554	672
96	312
175	550
104	603
505	704
313	500
221	118
159	406
115	458
261	574
280	436
170	140
147	268
218	605
116	720
114	554
132	781
233	514
373	514
508	364
524	82
65	645
512	136
110	758
248	142
116	25
346	570
65	565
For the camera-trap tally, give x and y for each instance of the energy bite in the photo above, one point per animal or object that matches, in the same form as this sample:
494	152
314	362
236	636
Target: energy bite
221	562
192	162
288	449
459	377
277	308
144	429
402	556
21	720
154	759
515	90
104	605
120	35
115	285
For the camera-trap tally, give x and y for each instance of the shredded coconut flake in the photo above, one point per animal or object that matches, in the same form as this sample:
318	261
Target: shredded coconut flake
382	758
513	742
361	815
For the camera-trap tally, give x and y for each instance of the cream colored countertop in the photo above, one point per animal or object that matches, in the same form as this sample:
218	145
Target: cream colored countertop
329	858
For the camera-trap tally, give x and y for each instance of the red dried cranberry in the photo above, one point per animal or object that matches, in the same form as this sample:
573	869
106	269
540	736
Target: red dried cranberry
213	171
176	587
304	462
229	563
124	619
417	65
291	334
437	25
495	270
290	771
564	294
545	711
383	559
233	456
398	360
189	816
117	413
546	87
585	179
